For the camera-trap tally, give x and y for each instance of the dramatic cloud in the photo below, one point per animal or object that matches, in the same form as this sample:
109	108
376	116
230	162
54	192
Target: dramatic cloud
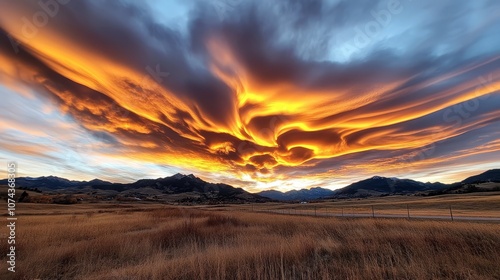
260	94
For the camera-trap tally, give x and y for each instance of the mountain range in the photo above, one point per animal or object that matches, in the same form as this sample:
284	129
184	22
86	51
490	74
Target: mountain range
191	189
379	186
177	188
303	194
375	186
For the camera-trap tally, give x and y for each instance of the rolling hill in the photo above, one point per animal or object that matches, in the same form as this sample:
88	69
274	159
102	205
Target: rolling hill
377	186
178	188
380	186
488	176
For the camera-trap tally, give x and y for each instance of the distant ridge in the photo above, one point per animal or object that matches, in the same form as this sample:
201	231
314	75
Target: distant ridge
177	188
191	189
488	176
303	194
379	186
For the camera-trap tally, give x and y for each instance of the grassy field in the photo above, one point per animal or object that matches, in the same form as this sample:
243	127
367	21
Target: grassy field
485	204
147	241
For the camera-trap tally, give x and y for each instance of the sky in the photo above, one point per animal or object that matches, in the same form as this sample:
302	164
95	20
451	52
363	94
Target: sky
257	94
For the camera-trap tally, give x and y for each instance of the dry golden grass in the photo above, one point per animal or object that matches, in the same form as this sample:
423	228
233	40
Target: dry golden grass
147	242
468	205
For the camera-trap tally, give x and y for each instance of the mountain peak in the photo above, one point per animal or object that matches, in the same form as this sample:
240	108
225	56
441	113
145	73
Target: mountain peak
178	188
178	176
51	177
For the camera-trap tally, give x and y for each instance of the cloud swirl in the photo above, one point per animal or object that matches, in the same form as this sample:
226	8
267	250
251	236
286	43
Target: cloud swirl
284	95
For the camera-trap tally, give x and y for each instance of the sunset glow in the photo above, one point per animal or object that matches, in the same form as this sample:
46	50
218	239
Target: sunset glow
245	96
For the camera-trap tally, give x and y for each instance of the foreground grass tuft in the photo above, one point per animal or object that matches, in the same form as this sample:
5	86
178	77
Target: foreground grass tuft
177	243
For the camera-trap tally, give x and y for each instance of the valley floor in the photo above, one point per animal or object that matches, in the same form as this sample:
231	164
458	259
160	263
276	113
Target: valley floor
151	241
472	206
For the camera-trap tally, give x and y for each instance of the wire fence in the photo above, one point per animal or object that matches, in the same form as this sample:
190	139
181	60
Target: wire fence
443	212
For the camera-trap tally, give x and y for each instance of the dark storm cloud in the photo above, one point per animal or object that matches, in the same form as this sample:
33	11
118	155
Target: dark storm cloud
125	32
259	88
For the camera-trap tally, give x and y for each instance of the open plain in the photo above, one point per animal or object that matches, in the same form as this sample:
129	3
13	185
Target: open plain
151	241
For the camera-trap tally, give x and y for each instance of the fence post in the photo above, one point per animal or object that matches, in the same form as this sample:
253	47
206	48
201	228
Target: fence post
342	211
315	211
408	210
373	212
451	214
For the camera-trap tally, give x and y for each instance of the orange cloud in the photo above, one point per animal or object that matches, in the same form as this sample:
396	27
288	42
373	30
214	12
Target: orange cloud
251	113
